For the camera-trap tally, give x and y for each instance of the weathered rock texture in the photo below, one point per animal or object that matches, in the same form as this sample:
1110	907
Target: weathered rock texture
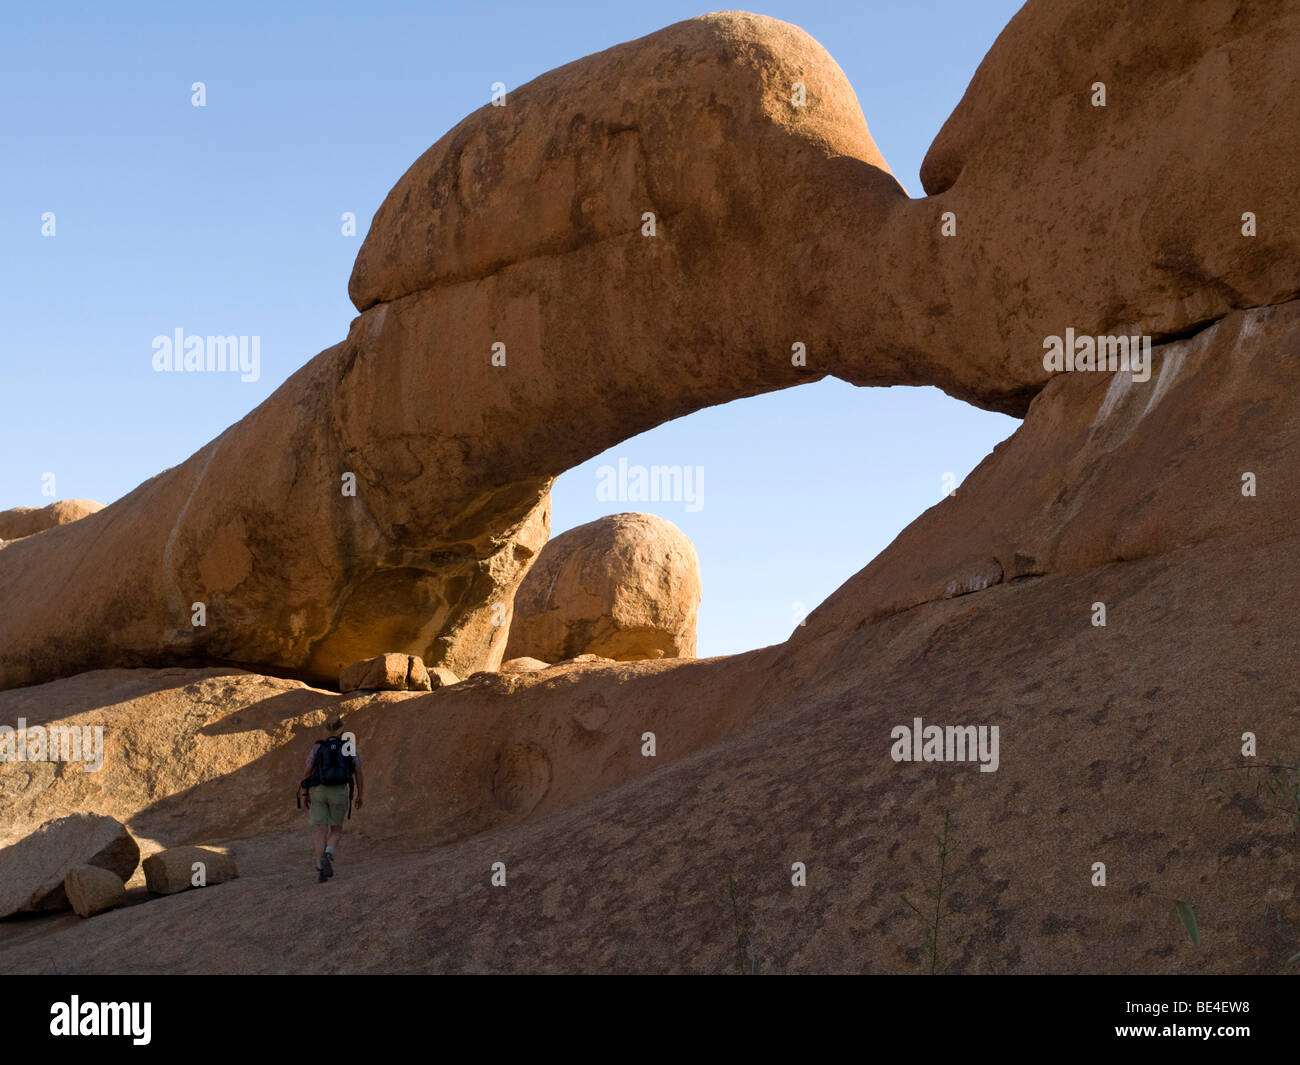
776	224
33	868
390	673
522	665
441	677
625	587
26	521
1118	743
172	870
93	890
1125	218
1102	471
345	578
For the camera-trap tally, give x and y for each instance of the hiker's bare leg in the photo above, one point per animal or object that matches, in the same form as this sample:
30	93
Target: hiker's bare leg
320	832
335	832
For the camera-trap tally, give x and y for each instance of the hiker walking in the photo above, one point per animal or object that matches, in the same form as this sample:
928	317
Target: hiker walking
333	777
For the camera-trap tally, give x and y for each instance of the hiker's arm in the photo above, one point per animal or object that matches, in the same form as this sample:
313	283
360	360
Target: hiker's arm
360	782
306	792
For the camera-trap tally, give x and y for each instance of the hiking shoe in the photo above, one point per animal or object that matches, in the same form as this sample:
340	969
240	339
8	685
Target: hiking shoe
321	874
326	868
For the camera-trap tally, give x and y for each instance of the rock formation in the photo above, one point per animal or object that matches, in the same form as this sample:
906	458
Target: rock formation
625	587
181	868
441	677
32	871
93	890
1100	167
389	673
20	522
522	665
1102	470
480	366
1167	502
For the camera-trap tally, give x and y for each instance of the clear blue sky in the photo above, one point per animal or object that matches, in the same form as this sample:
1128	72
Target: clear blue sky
226	220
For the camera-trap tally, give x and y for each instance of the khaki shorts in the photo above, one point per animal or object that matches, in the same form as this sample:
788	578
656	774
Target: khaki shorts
329	804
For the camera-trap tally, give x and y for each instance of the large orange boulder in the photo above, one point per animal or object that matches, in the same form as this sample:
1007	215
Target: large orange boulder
1117	169
625	587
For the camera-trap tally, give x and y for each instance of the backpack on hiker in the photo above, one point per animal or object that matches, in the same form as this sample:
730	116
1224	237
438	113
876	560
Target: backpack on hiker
330	766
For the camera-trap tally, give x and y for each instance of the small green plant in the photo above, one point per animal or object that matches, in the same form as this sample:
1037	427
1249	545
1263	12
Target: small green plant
1185	914
1284	791
934	919
1188	917
1279	782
